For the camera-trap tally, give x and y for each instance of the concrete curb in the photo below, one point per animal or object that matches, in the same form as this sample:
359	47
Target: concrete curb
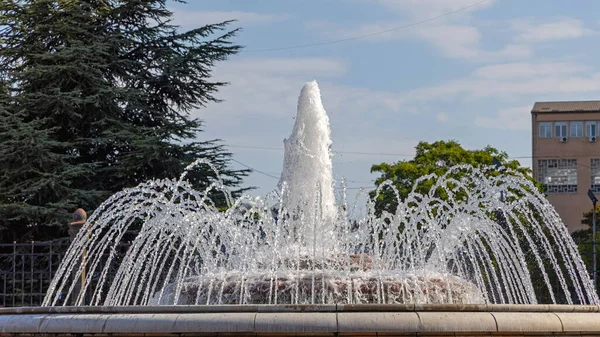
320	320
304	308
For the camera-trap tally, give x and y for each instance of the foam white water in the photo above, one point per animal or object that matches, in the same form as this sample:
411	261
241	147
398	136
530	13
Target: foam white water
307	175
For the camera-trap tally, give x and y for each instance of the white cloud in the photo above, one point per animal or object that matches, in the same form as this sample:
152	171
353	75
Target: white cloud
460	41
523	70
519	79
270	87
515	118
424	9
373	31
454	35
453	40
442	117
199	18
324	66
566	28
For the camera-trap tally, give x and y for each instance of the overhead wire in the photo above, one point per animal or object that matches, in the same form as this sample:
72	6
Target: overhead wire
388	153
255	170
334	151
366	187
324	43
274	177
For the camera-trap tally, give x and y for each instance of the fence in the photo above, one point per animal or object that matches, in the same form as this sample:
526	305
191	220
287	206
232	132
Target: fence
26	270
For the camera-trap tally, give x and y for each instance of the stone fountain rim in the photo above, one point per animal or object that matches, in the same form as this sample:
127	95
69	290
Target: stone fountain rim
316	308
313	320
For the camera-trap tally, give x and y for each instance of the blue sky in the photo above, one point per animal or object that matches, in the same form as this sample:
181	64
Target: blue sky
472	75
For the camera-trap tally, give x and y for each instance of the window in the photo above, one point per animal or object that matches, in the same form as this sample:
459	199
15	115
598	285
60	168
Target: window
590	129
560	129
576	129
595	169
545	130
558	175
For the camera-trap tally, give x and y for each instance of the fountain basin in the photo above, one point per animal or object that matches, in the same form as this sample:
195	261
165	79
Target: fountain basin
314	320
321	287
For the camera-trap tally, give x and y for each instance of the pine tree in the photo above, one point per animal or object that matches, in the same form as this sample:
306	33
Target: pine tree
99	95
35	189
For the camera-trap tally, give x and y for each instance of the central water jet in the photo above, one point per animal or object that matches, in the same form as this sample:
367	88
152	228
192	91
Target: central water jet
307	175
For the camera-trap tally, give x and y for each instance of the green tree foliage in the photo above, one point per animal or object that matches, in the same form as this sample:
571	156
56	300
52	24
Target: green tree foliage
588	218
584	237
35	185
436	158
97	97
433	158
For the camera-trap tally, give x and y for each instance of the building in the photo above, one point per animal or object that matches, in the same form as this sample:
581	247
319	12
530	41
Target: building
566	155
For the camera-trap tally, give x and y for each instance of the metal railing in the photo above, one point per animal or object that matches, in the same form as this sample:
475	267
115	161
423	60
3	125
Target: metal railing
26	270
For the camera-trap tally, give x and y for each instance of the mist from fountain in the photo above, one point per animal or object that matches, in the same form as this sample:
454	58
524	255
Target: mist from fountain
464	247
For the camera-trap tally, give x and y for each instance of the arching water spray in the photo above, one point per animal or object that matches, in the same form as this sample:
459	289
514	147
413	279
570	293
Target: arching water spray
468	247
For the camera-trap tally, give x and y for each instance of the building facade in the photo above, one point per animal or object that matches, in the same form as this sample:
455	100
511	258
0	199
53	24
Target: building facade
566	155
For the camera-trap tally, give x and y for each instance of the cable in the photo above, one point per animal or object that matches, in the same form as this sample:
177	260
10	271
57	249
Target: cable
366	35
256	147
375	153
363	187
390	153
360	181
255	170
334	152
274	177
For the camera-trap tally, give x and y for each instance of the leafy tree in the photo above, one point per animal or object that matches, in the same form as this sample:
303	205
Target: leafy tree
584	237
588	218
437	158
434	158
97	98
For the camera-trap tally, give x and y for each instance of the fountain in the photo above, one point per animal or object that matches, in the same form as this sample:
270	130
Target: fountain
455	259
